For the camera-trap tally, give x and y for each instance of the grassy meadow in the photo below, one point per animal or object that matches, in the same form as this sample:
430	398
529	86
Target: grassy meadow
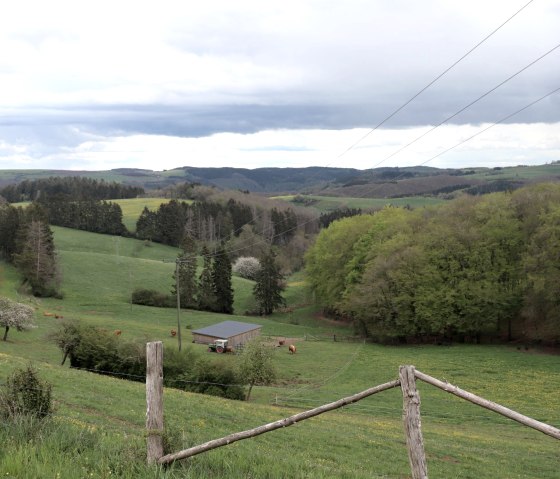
132	208
98	429
325	204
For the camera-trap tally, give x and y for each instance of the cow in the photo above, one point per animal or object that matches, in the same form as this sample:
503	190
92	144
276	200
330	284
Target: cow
173	333
292	349
281	342
118	332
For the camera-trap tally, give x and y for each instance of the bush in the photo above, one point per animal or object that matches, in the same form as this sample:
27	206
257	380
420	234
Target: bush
216	378
150	297
26	394
247	267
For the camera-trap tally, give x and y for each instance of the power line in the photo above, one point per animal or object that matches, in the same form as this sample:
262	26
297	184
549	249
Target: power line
471	103
492	125
430	84
422	90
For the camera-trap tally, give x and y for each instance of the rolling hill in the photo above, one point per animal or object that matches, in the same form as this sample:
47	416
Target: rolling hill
382	182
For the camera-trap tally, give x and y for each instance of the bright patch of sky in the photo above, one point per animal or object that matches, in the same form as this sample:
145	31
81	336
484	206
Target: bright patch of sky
159	85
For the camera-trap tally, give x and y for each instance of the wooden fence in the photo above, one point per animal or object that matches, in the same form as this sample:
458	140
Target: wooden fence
411	414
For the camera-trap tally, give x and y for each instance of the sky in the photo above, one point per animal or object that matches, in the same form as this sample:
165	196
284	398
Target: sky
97	85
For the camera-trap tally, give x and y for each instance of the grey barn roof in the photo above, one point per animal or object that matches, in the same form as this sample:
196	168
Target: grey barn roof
227	329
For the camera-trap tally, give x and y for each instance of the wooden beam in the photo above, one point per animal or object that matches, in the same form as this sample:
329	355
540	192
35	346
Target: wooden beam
412	423
492	406
289	421
154	400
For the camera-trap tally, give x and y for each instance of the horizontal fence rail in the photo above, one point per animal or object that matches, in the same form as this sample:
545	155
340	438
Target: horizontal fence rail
411	414
289	421
492	406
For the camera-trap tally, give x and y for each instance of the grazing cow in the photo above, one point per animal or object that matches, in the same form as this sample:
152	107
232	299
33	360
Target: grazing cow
281	342
46	313
58	316
292	349
118	332
173	333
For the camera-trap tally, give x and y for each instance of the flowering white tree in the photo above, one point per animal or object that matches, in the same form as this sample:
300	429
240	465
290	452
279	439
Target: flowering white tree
16	315
247	267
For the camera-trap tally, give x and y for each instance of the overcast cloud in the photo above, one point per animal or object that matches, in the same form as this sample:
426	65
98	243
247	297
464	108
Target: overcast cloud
158	85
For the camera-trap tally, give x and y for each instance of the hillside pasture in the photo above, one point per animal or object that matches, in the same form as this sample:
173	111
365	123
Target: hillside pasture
548	172
325	204
99	426
133	207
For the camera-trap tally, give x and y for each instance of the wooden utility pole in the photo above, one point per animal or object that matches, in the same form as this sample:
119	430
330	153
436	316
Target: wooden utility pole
177	262
154	401
412	423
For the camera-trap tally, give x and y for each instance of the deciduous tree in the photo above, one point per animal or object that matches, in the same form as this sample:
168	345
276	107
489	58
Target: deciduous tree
15	315
256	366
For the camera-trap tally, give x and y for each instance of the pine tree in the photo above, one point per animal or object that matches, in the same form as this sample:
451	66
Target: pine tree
37	261
187	274
268	288
206	294
221	275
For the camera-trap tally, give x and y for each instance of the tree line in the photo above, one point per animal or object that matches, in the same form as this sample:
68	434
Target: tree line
96	216
474	268
73	188
212	222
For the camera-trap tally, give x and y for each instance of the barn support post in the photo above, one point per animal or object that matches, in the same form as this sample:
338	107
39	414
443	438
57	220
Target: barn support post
154	401
412	423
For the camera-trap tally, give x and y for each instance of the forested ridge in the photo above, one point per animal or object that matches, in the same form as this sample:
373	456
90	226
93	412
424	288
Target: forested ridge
76	188
474	268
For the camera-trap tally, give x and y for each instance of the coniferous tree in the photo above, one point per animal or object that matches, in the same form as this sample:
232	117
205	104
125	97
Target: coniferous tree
221	275
206	294
187	274
268	288
37	260
10	221
146	226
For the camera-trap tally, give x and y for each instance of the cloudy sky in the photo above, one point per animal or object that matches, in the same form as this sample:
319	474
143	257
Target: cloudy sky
94	85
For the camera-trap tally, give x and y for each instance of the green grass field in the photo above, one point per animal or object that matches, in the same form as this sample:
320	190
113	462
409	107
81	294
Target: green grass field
325	204
132	208
98	428
521	172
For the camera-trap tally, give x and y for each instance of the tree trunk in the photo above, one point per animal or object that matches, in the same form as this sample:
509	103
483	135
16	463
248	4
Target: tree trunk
6	333
64	358
250	389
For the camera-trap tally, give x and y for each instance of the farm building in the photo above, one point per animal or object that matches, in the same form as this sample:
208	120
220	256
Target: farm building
234	331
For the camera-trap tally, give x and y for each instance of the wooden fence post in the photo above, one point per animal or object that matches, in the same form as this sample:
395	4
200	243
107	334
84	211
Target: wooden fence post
154	401
412	423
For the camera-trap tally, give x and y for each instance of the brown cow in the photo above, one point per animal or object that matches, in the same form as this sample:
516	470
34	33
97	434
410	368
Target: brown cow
118	332
292	349
281	342
173	333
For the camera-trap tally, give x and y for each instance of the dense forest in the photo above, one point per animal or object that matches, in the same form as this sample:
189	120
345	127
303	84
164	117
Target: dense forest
473	269
74	188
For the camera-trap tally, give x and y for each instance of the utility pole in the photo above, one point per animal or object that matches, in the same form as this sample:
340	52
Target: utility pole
177	262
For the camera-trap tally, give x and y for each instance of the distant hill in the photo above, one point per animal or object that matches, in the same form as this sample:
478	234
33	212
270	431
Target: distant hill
386	182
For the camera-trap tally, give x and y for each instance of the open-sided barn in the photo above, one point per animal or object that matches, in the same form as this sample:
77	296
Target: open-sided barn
236	332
